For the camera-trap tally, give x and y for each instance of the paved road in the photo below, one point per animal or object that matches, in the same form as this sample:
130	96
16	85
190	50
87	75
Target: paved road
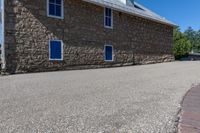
136	99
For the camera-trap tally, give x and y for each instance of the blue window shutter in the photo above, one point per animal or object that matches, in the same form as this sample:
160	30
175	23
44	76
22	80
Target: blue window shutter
109	53
56	50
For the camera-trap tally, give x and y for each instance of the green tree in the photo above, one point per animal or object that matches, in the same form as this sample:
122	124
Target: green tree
194	37
191	35
197	45
181	44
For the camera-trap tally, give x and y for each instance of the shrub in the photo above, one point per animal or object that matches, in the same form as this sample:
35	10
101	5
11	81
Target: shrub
181	44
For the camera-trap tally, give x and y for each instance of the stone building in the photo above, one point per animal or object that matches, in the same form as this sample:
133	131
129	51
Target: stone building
48	35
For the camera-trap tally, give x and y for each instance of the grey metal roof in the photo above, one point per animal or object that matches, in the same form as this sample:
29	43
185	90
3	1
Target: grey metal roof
133	9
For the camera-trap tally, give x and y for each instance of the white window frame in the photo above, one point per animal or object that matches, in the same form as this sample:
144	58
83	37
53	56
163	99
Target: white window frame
109	27
54	16
61	59
108	45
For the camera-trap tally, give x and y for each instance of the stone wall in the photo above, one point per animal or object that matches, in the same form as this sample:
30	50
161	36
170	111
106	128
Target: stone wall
28	31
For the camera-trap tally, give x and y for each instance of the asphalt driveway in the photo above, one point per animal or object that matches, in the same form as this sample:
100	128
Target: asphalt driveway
136	99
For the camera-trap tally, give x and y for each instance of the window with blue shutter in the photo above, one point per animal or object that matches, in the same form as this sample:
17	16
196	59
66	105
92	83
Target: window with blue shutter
108	18
56	50
108	53
55	8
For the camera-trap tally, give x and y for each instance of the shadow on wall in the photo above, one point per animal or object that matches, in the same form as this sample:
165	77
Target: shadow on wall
10	40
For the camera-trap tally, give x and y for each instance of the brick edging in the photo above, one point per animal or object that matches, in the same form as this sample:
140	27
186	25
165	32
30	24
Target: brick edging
189	121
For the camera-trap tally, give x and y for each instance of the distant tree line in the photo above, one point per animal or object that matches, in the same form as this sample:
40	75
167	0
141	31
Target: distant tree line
185	42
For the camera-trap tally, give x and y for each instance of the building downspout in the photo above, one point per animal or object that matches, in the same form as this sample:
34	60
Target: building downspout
3	62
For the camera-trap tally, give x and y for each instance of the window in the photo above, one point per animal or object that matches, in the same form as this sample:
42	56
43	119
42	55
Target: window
55	50
55	8
108	53
108	18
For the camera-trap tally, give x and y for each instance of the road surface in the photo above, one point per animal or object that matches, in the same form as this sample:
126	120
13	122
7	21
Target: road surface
135	99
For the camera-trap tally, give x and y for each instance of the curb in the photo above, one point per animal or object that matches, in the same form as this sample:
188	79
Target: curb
189	121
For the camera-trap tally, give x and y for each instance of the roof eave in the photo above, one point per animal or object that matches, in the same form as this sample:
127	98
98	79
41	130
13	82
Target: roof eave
138	15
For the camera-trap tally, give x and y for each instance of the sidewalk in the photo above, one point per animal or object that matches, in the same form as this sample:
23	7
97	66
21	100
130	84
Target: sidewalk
190	115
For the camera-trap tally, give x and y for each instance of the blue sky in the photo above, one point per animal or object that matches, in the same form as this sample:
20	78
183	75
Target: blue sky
184	13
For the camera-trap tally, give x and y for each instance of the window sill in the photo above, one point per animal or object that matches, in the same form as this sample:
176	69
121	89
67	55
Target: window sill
109	60
56	17
108	27
55	59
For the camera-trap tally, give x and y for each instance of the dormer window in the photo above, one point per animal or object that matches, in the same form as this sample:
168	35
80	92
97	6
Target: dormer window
55	8
108	18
